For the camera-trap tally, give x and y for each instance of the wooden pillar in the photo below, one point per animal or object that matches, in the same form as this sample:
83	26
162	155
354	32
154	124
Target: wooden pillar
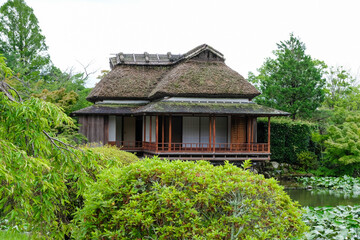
162	132
251	134
150	128
170	123
214	134
106	130
248	134
156	133
144	128
269	128
210	123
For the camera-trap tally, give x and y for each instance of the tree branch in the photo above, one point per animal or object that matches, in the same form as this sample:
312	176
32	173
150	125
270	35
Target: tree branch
4	87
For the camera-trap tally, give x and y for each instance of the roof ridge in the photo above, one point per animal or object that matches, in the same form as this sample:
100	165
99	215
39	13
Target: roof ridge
159	59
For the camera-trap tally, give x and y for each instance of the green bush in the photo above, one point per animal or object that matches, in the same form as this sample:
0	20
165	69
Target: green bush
160	199
112	156
288	138
307	160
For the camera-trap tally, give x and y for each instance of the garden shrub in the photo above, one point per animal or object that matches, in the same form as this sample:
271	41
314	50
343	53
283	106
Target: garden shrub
160	199
307	160
288	138
112	156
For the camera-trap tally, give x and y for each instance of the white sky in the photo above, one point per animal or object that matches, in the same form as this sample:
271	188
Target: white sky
246	32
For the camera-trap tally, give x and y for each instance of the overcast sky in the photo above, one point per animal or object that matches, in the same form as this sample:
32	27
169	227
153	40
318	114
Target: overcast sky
246	32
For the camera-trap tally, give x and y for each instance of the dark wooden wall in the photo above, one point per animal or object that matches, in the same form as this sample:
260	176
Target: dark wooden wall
95	128
207	56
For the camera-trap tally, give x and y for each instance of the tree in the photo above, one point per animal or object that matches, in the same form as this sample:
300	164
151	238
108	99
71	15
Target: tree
340	87
42	176
21	41
23	45
292	81
61	98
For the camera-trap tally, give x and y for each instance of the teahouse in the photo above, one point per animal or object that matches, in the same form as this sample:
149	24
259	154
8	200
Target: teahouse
189	106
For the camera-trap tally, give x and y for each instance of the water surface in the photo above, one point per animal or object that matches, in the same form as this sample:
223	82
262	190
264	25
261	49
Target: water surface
323	197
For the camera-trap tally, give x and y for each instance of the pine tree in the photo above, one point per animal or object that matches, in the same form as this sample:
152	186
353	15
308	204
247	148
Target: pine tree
292	81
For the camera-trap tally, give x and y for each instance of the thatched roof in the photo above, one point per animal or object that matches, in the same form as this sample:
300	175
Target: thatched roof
203	79
128	82
201	72
167	107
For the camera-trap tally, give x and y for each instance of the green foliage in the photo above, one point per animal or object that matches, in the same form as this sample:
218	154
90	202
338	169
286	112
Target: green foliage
349	184
5	71
246	164
41	178
292	81
159	199
23	45
341	222
21	40
307	160
61	98
13	236
340	88
343	143
288	138
112	156
81	102
339	142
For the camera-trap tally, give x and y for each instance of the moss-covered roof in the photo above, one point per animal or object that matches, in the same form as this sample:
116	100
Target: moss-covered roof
199	73
168	107
210	108
203	79
128	82
102	109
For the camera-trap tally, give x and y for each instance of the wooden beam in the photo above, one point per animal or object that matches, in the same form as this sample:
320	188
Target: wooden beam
269	128
170	123
156	132
162	132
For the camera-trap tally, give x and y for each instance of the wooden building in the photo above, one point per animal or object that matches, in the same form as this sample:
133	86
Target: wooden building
188	106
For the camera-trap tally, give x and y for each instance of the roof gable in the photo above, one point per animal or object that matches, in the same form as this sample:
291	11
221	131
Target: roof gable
204	52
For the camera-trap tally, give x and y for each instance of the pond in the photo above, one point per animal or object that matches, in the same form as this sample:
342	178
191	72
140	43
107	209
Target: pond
323	197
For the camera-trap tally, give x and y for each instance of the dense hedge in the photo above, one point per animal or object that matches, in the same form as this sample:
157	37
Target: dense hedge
288	138
158	199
